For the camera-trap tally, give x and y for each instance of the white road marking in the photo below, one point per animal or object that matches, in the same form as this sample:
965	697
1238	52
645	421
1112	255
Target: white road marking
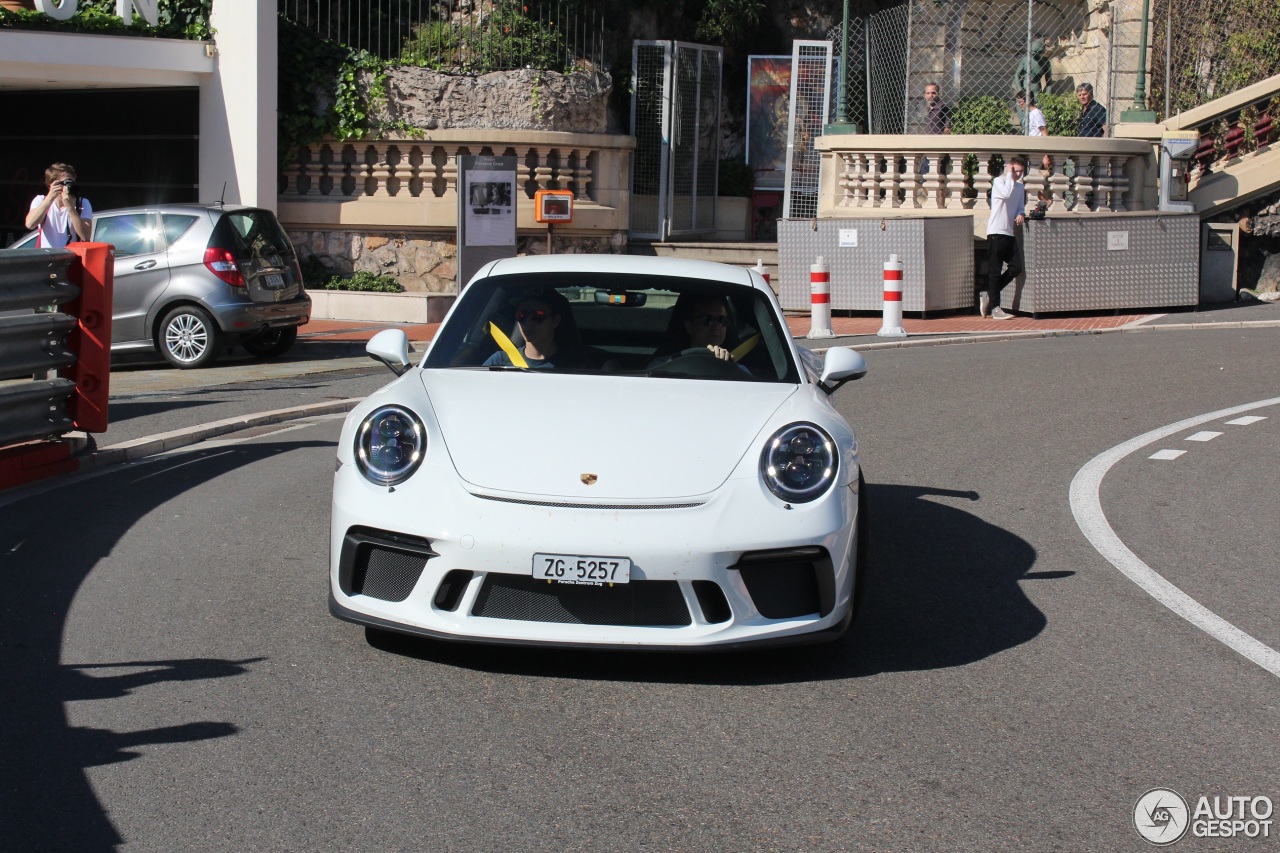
1086	506
1166	454
1247	419
1203	436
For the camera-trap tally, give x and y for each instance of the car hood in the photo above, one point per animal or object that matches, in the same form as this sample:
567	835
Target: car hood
641	438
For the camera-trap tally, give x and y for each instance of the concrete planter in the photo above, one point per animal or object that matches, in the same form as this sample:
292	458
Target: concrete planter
380	307
733	219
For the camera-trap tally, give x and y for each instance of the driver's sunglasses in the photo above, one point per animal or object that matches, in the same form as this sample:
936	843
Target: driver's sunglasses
713	320
536	315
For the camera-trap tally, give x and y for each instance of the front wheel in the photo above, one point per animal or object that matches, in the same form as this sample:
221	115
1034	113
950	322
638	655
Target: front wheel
272	343
188	337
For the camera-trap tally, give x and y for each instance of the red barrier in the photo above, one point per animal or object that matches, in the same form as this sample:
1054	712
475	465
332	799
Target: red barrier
25	463
91	340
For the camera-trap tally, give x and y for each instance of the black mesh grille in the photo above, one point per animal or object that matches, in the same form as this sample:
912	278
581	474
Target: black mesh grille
391	575
634	604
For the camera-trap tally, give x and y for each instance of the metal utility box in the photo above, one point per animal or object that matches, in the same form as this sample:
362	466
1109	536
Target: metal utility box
936	254
1099	262
1219	252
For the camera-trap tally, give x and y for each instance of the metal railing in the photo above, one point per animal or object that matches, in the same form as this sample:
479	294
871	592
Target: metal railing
475	36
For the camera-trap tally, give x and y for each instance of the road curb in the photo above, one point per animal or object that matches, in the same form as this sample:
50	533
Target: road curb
984	337
150	445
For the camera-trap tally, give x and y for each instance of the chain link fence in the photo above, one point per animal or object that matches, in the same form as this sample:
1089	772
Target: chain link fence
468	36
1204	49
980	53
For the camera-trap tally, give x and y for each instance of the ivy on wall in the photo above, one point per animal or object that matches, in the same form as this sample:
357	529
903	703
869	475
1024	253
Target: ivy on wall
184	19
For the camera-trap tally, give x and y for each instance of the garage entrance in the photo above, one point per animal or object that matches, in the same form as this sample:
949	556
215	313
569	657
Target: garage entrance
128	146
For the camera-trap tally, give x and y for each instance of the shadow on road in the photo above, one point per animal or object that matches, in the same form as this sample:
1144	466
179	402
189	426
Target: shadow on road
49	543
942	591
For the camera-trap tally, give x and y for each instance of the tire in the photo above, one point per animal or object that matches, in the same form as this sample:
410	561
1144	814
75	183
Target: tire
188	337
272	343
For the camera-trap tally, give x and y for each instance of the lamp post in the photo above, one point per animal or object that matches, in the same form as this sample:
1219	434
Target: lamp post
842	123
1140	113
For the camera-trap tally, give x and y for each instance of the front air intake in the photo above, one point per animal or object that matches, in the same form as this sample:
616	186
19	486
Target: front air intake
382	564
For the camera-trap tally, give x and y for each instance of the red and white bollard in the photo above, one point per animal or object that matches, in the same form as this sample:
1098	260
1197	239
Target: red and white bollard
764	273
820	300
892	326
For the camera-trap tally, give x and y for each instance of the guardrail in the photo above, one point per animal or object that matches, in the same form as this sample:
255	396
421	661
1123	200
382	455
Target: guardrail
55	315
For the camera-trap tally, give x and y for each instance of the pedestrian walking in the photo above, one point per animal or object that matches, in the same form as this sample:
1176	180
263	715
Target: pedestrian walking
1033	123
938	118
1093	115
1008	202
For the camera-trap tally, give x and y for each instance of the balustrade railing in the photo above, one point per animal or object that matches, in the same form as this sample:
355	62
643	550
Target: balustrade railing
418	177
954	173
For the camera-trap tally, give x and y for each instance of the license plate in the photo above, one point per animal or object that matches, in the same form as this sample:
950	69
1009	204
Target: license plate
273	279
581	569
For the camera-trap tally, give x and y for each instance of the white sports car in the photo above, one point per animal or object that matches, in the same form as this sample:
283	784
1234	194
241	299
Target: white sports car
603	450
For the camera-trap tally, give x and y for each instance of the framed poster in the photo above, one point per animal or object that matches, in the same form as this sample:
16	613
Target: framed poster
768	104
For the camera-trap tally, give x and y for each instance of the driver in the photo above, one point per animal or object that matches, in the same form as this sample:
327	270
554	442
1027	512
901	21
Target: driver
706	324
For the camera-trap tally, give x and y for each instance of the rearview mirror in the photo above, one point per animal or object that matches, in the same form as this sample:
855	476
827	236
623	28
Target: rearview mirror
391	347
841	365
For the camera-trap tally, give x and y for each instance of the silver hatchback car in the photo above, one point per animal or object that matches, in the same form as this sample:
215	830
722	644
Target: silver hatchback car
193	279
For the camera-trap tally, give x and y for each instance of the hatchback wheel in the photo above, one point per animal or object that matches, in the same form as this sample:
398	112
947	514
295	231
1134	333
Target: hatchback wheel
188	337
271	343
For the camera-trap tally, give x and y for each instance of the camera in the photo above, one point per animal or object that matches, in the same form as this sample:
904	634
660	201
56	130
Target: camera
68	183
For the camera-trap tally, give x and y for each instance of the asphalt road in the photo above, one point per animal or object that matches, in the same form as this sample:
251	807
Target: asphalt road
174	681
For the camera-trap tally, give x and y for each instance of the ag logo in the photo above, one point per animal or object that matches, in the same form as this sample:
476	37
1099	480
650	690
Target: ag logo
588	479
1161	816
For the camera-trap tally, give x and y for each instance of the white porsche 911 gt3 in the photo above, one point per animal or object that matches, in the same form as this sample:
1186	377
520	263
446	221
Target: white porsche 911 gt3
603	450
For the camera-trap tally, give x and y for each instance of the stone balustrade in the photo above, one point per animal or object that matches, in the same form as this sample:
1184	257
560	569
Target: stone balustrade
413	182
873	175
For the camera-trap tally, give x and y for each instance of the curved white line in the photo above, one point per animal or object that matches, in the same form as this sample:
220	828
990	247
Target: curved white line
1086	506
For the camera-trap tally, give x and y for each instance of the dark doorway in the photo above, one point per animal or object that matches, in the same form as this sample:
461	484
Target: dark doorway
128	146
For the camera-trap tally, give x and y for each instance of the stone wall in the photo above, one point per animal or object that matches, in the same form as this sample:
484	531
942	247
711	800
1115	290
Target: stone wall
507	100
423	262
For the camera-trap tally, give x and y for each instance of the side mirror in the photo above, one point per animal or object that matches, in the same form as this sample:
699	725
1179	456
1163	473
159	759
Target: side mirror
840	366
391	347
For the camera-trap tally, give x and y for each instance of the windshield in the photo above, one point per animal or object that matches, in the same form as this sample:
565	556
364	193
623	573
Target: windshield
629	325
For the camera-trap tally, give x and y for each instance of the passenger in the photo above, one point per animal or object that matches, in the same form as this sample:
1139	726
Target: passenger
540	317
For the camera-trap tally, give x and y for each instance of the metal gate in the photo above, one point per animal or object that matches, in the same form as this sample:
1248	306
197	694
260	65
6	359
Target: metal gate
808	115
675	118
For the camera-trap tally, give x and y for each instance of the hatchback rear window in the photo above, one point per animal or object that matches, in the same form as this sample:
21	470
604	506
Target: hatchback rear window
253	233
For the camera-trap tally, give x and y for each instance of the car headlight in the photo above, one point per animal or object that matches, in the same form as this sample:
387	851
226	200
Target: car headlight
390	445
799	463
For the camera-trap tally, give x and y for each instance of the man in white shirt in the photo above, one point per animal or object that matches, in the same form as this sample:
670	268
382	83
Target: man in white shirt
61	214
1008	203
1035	122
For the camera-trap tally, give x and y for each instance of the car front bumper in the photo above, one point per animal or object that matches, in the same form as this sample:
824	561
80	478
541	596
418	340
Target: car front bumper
712	572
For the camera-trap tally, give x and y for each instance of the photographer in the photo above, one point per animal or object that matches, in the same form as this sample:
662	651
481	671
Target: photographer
61	214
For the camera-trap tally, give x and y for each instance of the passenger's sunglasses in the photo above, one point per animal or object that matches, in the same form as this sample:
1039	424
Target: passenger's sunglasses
713	320
535	315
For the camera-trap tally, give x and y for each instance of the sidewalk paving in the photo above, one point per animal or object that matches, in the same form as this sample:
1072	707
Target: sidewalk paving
867	325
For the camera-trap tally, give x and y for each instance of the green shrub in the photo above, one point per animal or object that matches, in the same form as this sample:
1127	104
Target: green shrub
436	45
734	178
364	280
982	114
1060	112
508	38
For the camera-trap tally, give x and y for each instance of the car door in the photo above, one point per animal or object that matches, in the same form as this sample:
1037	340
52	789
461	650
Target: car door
141	268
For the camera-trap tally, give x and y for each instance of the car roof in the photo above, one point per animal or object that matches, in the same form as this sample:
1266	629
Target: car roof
177	207
621	265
